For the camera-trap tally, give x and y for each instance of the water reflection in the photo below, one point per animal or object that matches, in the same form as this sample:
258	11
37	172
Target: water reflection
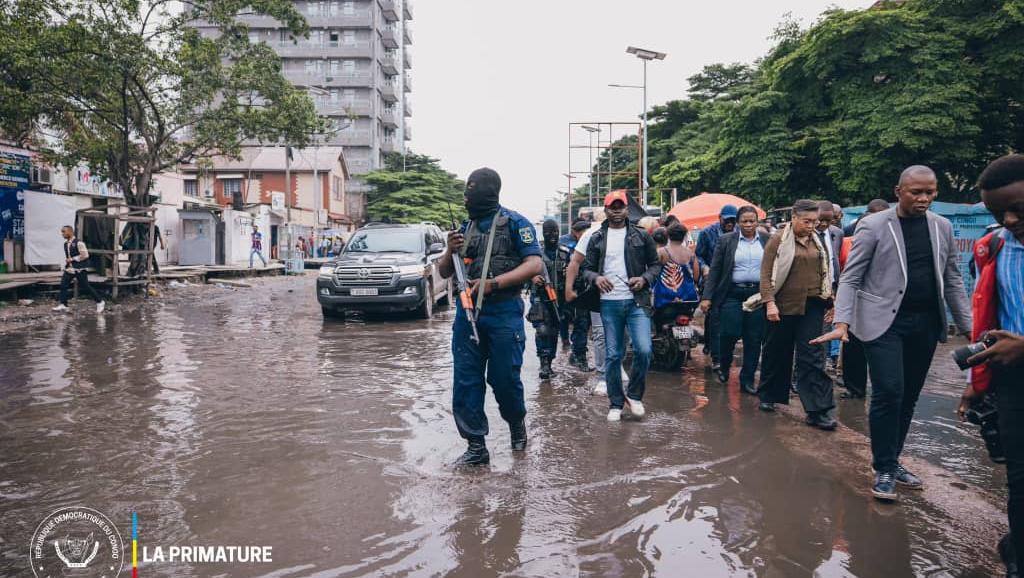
241	417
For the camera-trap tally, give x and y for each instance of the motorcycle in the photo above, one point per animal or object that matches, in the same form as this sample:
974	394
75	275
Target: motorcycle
675	336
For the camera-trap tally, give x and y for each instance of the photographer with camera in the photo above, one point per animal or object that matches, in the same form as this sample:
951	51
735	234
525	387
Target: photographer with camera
998	334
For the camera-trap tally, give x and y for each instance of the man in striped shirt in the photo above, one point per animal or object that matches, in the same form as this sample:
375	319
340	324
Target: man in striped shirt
1002	190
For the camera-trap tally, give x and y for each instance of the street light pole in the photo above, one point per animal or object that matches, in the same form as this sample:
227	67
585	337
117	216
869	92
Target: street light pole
645	183
593	130
645	55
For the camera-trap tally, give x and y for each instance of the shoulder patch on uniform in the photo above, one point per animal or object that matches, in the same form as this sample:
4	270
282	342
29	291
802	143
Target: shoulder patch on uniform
526	234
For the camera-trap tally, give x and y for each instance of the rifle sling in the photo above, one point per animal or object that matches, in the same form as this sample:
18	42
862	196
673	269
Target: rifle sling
487	265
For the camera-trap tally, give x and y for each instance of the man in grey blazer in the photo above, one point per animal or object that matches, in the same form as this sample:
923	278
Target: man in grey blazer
902	271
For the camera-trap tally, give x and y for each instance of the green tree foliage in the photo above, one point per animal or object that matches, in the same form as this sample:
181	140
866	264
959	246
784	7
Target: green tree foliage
128	87
839	109
423	191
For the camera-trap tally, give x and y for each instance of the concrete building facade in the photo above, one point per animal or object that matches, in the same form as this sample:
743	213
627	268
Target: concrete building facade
355	65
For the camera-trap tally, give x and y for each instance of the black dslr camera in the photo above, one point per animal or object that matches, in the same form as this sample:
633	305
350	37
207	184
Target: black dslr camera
984	414
961	355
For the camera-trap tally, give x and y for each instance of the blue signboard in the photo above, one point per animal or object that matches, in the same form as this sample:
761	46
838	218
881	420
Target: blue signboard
15	172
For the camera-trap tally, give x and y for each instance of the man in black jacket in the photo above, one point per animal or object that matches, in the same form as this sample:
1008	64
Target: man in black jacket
735	276
622	261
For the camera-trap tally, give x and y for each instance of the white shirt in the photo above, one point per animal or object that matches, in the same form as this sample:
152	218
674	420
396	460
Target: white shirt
615	265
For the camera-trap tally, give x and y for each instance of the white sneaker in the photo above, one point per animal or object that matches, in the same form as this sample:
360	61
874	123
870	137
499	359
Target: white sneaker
614	414
600	388
61	307
101	306
636	407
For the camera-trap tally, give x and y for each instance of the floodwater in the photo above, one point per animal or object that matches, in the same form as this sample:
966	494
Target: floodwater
240	417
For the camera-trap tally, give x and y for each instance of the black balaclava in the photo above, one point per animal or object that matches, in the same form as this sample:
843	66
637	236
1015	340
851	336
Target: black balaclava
482	188
550	231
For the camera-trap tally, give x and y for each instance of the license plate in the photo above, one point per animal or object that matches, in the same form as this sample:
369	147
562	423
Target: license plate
682	332
364	292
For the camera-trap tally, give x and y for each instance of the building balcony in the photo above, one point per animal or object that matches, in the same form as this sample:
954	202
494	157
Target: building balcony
328	79
288	49
407	58
406	34
339	108
407	84
353	138
389	93
390	10
389	145
389	37
407	109
360	19
407	9
390	64
389	119
407	132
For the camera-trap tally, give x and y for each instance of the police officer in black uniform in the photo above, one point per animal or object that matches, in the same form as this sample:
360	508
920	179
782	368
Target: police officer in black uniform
497	359
546	321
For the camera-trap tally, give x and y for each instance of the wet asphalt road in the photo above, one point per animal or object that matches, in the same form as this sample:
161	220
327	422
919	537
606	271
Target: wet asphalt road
237	417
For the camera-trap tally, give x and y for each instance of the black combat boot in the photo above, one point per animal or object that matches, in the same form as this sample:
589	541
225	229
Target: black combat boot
518	431
545	368
476	454
579	362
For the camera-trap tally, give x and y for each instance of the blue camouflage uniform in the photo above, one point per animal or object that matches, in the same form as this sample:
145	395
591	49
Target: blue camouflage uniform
498	358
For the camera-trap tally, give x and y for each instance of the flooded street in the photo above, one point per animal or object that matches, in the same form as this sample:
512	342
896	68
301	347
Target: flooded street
241	417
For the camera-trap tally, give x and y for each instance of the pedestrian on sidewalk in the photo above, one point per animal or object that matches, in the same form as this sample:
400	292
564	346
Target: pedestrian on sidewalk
998	312
736	276
575	320
707	242
256	247
854	361
622	261
796	290
75	256
542	310
502	254
902	272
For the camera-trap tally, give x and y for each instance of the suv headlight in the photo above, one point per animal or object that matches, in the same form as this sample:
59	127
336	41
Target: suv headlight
327	271
411	271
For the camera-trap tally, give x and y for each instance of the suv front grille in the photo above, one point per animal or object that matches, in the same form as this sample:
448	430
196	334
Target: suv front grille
364	276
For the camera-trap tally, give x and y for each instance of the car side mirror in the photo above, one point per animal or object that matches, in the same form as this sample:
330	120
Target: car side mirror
435	248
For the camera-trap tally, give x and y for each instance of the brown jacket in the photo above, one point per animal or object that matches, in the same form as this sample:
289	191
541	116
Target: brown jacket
803	282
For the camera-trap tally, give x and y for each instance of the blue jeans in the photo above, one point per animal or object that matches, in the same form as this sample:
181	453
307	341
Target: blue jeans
497	361
618	316
256	253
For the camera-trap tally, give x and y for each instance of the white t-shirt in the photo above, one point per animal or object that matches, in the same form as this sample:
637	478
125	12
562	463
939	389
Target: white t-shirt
614	262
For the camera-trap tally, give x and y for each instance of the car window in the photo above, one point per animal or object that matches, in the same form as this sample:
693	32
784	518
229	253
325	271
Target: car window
386	241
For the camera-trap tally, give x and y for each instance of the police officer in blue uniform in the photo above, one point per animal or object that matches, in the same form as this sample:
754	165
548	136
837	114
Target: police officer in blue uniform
542	313
497	359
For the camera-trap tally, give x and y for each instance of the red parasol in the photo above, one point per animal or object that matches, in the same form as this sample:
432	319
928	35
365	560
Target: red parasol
700	211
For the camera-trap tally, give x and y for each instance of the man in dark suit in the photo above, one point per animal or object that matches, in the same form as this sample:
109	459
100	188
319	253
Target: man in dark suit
831	237
735	276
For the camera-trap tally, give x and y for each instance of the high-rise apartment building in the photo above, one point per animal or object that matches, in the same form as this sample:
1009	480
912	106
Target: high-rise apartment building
355	65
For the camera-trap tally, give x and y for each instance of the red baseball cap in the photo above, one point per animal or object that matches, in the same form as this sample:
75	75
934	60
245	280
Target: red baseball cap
613	196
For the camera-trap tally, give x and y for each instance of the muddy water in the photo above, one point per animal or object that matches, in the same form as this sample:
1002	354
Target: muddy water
240	418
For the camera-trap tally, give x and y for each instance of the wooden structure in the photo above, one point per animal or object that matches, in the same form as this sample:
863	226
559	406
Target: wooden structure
123	214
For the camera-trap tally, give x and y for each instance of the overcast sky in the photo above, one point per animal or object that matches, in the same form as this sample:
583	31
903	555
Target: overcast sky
497	83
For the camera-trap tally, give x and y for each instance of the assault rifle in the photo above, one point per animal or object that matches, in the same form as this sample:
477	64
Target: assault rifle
462	286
